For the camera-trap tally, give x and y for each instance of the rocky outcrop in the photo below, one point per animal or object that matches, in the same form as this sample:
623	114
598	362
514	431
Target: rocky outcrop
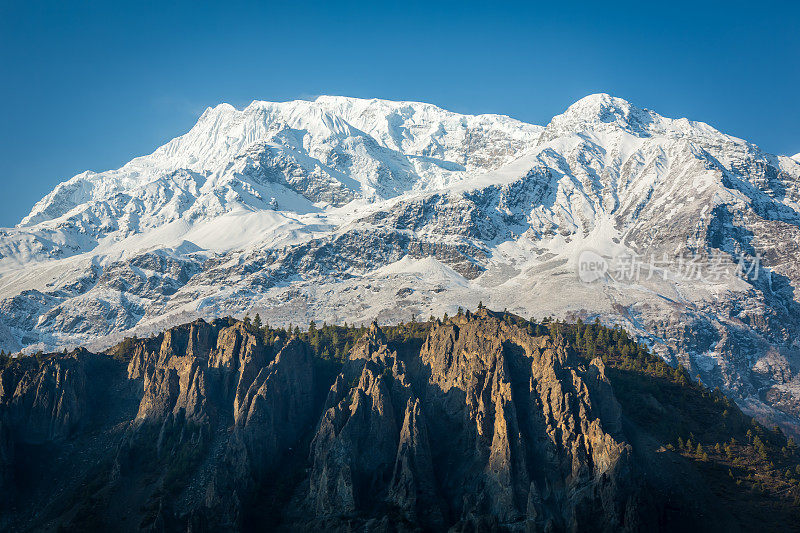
45	402
273	407
489	426
175	376
204	409
481	426
413	486
207	376
356	440
277	406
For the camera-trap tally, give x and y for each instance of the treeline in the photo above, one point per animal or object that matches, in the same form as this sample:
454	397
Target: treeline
328	341
38	357
332	342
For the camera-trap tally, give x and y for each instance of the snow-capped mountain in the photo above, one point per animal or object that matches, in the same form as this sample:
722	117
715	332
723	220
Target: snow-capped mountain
344	209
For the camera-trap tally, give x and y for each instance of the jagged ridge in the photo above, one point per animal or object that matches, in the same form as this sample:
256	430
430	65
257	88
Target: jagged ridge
480	421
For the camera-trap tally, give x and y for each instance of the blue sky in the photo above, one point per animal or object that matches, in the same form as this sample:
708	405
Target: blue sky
90	85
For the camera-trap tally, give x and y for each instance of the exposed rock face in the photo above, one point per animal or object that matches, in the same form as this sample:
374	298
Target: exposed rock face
204	377
356	442
413	486
196	390
274	410
45	403
202	372
488	426
480	427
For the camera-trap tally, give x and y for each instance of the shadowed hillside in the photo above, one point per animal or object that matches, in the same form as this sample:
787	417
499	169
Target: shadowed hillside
483	421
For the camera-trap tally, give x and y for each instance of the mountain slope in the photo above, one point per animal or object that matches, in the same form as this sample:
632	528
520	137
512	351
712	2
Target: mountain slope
482	421
348	209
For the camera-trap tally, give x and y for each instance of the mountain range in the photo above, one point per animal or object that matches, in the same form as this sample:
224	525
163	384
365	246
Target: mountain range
345	209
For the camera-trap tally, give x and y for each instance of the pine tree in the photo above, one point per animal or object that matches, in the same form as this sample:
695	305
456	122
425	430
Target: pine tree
335	336
257	322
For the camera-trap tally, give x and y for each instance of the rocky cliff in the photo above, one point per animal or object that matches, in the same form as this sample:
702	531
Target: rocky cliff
482	422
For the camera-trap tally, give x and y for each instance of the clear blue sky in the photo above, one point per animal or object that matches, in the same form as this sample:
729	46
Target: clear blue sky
89	85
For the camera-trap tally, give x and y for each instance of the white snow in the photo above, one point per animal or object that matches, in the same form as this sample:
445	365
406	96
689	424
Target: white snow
427	269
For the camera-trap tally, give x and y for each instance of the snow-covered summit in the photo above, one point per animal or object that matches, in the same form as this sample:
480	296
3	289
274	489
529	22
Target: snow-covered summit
598	109
331	150
411	128
606	113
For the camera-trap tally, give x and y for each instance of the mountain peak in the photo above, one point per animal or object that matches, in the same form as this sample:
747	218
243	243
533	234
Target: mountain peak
604	100
602	110
218	109
605	113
